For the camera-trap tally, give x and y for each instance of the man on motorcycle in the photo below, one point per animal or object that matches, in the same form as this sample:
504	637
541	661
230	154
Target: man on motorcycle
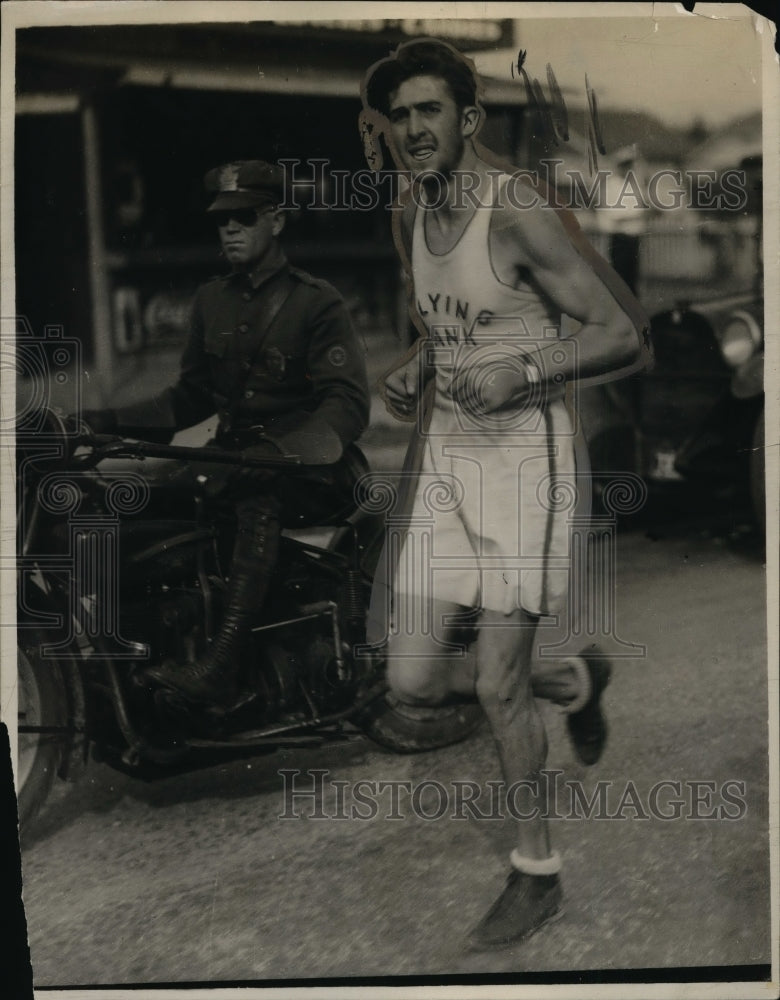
272	351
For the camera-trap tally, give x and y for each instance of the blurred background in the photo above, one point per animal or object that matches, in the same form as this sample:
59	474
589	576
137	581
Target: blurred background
117	125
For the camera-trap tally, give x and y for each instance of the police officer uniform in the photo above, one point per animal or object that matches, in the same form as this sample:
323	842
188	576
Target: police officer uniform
272	351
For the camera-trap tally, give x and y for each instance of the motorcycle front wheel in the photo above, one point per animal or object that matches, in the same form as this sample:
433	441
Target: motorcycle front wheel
411	729
44	737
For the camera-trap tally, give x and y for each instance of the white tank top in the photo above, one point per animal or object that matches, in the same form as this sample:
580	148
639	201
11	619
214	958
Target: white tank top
469	313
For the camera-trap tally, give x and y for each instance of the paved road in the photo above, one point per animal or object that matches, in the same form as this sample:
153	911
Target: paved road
195	877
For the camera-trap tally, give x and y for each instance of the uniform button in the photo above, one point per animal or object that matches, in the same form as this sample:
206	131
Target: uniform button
245	366
249	393
244	328
246	296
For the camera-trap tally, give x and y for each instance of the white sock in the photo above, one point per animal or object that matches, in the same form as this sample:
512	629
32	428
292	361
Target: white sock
536	866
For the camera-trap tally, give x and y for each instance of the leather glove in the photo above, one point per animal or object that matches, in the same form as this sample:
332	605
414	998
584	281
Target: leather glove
244	476
263	450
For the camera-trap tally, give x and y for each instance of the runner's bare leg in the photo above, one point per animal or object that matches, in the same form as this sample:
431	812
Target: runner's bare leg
504	652
553	680
419	669
420	672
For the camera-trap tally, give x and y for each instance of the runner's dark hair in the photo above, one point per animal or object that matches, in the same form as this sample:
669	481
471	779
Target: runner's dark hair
427	57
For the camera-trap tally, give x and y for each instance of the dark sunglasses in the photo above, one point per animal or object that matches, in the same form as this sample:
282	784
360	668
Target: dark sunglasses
243	216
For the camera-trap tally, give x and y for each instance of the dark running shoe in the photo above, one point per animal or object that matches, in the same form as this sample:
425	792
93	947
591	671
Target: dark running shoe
588	727
527	903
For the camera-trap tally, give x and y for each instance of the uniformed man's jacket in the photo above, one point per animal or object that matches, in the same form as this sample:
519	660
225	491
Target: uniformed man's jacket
305	369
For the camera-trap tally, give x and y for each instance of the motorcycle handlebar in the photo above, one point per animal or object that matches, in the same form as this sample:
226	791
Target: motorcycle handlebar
48	425
109	446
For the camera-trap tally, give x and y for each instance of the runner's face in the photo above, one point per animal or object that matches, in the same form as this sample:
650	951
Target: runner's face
427	126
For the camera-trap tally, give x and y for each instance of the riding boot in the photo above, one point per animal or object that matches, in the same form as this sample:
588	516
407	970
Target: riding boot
212	678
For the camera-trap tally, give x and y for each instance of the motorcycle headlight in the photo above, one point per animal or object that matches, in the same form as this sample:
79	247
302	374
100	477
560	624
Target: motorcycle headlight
740	337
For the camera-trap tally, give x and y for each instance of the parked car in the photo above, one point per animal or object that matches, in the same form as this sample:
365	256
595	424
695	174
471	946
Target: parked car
701	409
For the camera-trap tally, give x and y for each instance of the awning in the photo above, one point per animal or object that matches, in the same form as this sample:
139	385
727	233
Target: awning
251	58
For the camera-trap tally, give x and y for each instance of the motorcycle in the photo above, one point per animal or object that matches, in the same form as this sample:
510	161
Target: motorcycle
120	569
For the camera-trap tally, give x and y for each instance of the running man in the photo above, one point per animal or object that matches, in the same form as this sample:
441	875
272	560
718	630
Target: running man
493	268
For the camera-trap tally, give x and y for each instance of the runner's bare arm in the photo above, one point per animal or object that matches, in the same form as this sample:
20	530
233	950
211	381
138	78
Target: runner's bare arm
545	244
